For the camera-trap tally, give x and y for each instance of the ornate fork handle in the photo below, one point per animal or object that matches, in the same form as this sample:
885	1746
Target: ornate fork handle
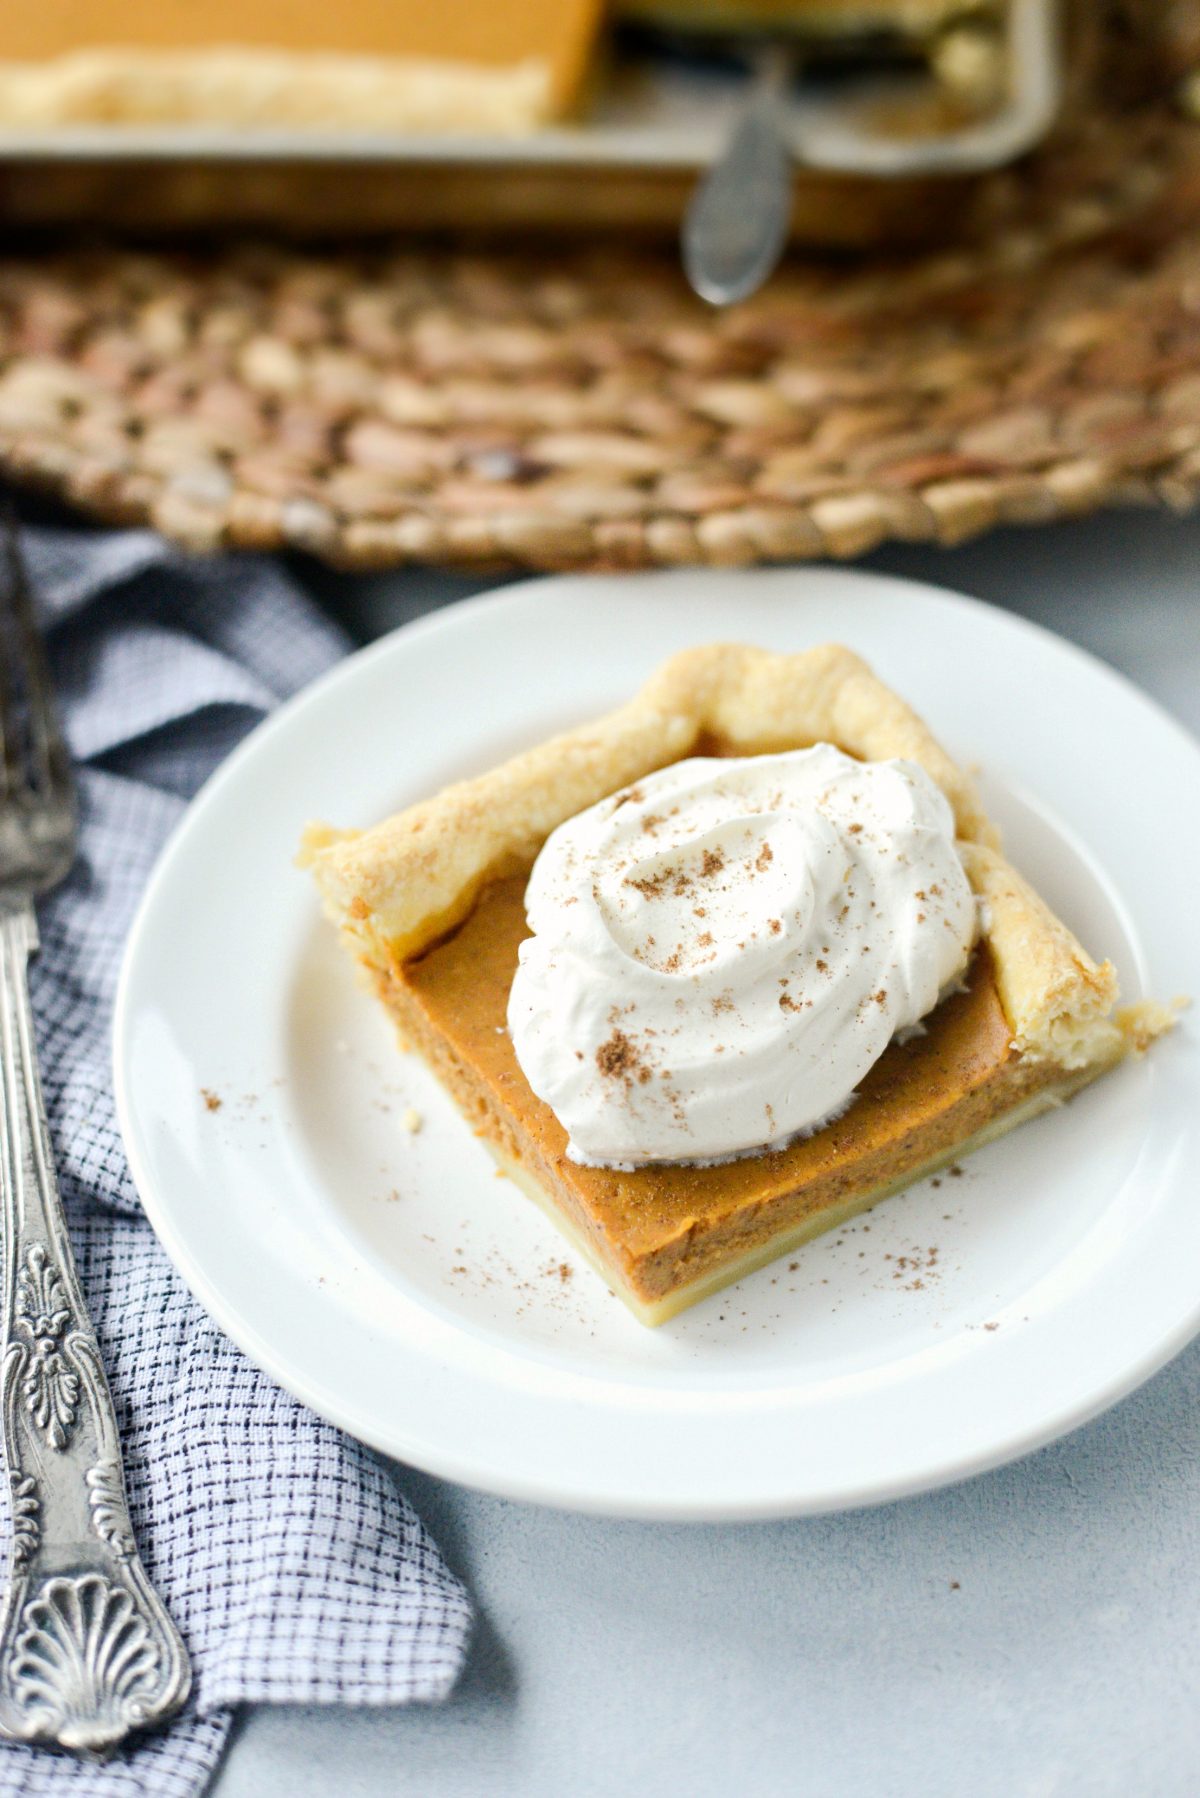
87	1651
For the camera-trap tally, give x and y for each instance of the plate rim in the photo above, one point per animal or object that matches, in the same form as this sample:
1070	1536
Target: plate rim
464	1468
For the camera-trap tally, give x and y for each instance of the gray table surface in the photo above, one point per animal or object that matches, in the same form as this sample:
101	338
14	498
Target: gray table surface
1034	1633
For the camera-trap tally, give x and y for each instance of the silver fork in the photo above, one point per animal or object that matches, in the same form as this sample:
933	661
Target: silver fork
87	1651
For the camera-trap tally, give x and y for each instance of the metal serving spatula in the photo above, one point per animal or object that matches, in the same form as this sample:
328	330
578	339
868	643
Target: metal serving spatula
736	224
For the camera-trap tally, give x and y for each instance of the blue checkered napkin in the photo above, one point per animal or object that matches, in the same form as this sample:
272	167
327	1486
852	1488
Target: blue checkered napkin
295	1570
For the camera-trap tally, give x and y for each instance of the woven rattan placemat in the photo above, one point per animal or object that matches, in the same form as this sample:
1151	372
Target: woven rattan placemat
577	408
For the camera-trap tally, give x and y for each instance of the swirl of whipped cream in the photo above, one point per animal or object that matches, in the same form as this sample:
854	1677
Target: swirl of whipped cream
721	952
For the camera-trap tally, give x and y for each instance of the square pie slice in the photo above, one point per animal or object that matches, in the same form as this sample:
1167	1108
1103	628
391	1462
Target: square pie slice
431	903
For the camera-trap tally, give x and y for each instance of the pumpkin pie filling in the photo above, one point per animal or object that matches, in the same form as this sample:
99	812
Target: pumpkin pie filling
664	1236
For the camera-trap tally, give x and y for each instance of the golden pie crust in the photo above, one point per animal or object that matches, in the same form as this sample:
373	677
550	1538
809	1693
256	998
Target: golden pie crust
430	903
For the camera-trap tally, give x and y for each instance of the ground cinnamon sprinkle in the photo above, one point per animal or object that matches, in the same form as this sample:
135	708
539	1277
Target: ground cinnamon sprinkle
212	1100
651	886
916	1270
765	855
617	1055
618	1059
711	863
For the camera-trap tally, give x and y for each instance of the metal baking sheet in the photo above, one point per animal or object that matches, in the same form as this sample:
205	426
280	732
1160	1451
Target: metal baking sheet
660	118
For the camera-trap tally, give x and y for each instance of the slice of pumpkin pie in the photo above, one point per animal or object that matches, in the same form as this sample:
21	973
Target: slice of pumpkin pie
724	967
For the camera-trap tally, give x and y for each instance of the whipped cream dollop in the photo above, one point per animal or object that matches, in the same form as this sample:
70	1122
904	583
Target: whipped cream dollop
721	952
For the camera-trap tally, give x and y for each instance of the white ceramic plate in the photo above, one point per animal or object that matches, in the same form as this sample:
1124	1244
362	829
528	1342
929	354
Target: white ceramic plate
394	1283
